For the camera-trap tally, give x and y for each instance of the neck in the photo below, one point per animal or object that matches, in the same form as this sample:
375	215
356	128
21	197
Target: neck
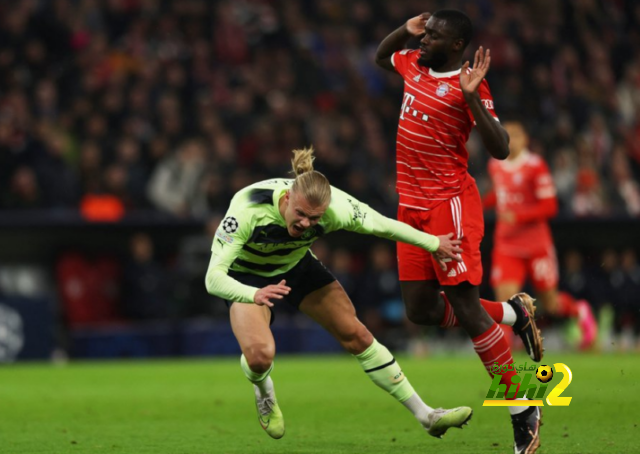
515	155
452	65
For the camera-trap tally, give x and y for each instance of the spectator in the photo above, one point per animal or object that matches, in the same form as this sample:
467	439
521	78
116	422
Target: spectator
176	182
145	287
24	192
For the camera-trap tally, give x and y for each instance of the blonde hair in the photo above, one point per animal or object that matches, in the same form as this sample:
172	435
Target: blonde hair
311	184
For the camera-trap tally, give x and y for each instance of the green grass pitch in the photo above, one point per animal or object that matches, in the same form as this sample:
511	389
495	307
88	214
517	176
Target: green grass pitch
206	407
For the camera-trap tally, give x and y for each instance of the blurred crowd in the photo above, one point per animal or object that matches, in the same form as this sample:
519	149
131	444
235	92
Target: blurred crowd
174	105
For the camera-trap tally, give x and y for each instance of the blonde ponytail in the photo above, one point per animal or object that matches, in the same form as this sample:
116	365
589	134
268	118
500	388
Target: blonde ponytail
302	161
311	184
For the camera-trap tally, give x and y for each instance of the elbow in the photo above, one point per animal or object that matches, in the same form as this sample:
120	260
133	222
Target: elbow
383	60
209	279
501	149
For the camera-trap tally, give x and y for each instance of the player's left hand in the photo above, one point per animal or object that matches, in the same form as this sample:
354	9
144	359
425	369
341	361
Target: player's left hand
469	82
448	250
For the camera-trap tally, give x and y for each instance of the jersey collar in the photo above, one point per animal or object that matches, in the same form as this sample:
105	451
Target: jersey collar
438	75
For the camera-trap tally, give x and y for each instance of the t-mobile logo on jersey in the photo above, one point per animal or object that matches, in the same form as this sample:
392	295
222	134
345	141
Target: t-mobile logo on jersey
407	109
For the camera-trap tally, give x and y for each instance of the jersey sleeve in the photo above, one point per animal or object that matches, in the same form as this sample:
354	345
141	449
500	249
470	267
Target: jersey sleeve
232	234
543	182
401	60
486	99
348	213
546	205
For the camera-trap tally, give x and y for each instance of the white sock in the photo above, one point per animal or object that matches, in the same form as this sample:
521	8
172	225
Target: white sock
509	317
518	409
420	410
265	387
262	383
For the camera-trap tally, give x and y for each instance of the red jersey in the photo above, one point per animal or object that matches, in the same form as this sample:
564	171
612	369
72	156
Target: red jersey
435	122
525	187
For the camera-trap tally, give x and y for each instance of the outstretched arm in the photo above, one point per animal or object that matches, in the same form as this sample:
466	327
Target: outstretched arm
398	38
442	247
348	213
493	135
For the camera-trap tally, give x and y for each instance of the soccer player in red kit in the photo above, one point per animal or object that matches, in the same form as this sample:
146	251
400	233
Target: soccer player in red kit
443	99
524	197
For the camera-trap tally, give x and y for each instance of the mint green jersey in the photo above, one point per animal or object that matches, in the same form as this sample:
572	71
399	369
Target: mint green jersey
253	237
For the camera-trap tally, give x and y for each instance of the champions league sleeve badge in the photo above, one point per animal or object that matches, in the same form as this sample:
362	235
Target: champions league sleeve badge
230	224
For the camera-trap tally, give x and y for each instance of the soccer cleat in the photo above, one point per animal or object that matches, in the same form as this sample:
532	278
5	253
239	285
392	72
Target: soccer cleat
587	323
442	420
526	430
269	414
525	325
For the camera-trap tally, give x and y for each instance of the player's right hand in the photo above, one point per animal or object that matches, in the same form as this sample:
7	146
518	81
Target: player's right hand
264	296
415	25
448	250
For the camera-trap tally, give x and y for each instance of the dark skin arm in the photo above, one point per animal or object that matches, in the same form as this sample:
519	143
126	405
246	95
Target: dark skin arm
493	135
398	39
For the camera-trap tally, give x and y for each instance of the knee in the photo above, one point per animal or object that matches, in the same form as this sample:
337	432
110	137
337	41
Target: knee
356	340
260	357
472	317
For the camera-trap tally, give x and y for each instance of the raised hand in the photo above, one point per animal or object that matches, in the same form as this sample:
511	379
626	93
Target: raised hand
448	250
264	296
415	25
470	82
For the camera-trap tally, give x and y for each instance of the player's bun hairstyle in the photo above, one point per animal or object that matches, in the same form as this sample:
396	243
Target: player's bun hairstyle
313	185
459	23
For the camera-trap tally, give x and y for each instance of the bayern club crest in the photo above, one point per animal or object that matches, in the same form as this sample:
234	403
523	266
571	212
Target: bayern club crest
442	90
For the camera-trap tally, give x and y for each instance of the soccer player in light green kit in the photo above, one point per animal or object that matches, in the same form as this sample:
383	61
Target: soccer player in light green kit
260	254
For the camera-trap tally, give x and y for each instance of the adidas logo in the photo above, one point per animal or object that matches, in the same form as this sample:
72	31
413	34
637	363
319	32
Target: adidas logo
417	78
452	273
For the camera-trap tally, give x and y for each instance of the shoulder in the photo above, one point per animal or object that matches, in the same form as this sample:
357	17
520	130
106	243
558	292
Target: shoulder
339	198
274	183
536	162
342	205
405	55
261	192
408	53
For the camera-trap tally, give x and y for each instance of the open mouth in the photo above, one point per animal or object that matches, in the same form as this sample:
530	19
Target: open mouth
297	229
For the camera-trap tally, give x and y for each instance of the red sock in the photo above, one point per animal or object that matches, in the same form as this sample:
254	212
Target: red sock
492	348
567	306
494	309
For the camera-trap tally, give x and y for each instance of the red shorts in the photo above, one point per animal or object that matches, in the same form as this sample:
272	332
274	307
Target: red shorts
541	268
462	216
